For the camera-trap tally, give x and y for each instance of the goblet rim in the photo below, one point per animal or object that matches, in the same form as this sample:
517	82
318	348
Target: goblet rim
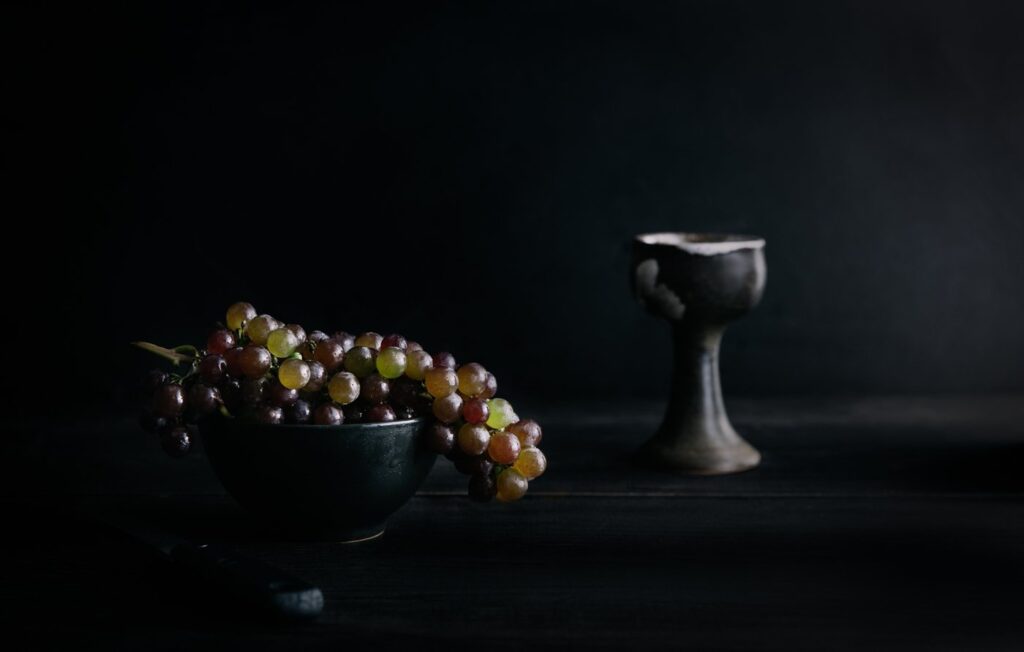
701	244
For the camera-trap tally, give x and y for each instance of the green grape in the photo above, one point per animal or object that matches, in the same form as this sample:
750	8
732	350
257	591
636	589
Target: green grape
294	374
440	381
282	342
391	362
416	363
503	447
370	340
360	361
511	485
239	314
473	438
259	328
472	379
501	413
343	388
531	462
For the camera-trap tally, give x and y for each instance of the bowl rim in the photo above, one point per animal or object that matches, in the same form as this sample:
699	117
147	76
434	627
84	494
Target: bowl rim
321	427
701	243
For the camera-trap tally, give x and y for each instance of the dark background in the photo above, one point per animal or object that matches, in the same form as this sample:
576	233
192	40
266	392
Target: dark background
470	174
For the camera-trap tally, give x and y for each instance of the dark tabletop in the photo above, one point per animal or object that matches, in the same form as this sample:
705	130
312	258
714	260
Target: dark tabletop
871	524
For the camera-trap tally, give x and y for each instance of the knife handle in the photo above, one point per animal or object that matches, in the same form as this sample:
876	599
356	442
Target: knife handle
258	584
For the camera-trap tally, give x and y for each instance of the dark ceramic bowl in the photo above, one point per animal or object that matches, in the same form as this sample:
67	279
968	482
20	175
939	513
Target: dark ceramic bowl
333	482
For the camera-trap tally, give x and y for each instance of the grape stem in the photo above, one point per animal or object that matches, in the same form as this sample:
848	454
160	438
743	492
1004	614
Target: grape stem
168	354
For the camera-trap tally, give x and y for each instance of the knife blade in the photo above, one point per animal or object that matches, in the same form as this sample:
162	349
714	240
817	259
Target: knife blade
258	585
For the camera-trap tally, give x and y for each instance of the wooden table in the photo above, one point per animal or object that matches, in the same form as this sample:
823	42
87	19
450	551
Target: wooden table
872	524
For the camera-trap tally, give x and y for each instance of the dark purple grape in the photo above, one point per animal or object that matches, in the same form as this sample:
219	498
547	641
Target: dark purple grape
317	336
490	386
176	442
475	465
381	412
298	331
202	400
317	378
152	423
448	408
233	359
482	487
253	390
231	394
475	410
394	340
330	354
439	438
220	341
404	392
299	412
444	359
153	380
268	414
169	401
254	361
328	415
375	388
212	369
279	395
354	413
346	340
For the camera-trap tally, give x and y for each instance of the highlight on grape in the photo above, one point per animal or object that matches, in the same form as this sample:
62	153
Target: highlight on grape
257	368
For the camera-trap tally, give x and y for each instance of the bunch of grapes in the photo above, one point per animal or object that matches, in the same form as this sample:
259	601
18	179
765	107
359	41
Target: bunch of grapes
257	368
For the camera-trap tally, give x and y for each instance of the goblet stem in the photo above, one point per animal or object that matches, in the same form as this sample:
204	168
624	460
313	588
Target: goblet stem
696	436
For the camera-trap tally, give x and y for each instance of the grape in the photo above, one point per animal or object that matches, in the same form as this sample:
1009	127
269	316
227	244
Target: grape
503	448
346	340
281	342
439	438
231	393
473	465
471	378
317	377
482	487
379	413
473	439
294	374
343	388
239	314
153	380
391	362
370	340
528	431
413	346
176	442
212	369
440	381
511	485
475	410
253	390
202	400
394	340
531	462
330	354
353	413
300	412
404	392
447	408
490	386
359	360
152	423
375	389
444	360
501	413
268	414
317	336
169	401
232	358
298	331
280	395
254	361
417	363
260	327
328	415
220	341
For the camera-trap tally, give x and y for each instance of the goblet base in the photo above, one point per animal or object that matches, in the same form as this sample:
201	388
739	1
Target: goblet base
698	454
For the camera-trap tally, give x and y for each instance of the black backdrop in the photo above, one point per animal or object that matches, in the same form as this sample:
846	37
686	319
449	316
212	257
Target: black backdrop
470	174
